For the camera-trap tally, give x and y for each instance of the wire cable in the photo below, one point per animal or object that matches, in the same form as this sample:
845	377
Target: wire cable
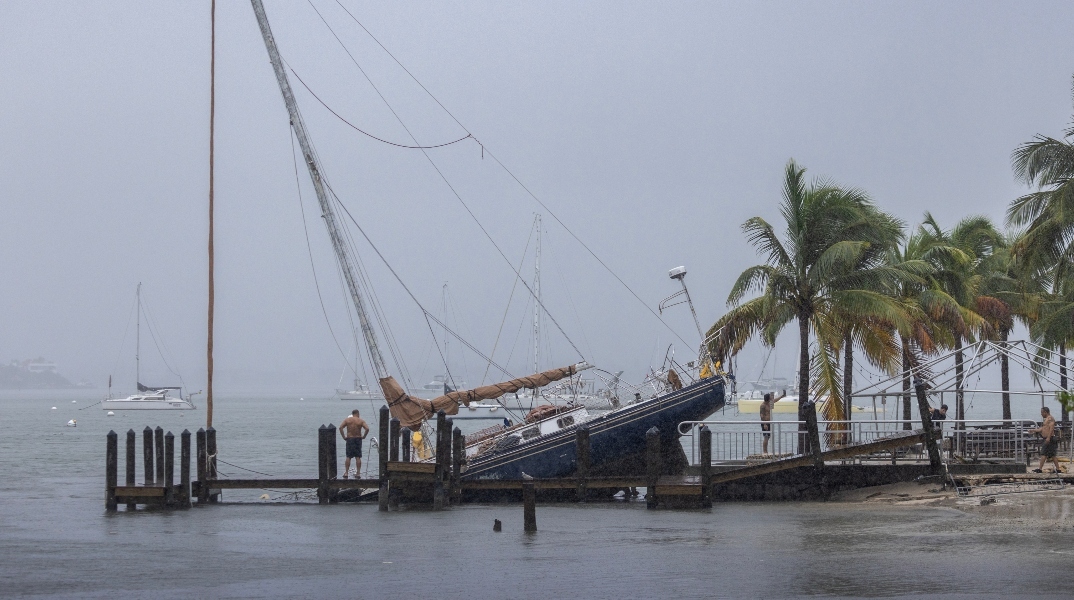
354	127
447	182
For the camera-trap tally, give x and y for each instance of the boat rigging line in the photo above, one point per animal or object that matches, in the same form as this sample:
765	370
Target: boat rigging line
366	133
484	150
506	310
309	249
448	183
399	279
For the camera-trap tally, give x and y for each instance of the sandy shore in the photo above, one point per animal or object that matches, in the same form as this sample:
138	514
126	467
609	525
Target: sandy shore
1050	510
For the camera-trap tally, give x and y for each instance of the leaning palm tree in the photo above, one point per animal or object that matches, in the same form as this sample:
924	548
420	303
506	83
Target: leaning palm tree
821	269
923	303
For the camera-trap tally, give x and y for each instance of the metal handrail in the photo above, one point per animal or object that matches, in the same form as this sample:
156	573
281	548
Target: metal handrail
973	439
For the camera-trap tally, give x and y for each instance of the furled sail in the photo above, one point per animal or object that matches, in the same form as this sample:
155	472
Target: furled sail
412	411
156	388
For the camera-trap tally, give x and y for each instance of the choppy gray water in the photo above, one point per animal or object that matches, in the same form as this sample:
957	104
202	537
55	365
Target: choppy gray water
57	541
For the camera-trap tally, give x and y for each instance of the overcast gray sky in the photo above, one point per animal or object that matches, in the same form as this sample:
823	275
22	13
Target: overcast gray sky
654	130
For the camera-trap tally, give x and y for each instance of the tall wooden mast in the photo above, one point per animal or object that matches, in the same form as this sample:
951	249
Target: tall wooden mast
212	291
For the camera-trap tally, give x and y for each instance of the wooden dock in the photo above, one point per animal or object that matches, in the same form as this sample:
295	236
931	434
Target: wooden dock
440	483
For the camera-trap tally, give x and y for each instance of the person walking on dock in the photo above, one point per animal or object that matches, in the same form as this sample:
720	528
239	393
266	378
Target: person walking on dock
1051	440
766	417
353	429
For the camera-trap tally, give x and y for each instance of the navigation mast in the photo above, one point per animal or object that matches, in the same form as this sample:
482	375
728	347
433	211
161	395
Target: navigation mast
537	305
346	262
138	339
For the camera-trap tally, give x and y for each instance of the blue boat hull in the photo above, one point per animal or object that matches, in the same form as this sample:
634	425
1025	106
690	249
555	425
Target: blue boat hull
612	436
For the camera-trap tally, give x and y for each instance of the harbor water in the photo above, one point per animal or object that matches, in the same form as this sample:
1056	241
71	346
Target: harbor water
57	541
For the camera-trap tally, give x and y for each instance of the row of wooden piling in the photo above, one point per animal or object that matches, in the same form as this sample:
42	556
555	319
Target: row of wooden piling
158	459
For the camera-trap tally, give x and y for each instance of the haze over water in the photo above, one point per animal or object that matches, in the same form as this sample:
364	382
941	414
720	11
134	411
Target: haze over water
57	540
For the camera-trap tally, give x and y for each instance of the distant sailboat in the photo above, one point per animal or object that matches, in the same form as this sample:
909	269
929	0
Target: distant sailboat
148	397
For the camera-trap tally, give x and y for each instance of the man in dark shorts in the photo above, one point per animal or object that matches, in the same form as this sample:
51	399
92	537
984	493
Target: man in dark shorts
353	429
766	417
1051	440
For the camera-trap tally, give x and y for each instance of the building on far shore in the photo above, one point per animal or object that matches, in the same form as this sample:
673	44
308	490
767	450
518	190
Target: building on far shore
32	374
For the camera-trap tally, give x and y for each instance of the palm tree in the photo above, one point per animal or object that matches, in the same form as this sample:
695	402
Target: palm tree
998	302
1046	164
1054	326
959	257
823	268
920	301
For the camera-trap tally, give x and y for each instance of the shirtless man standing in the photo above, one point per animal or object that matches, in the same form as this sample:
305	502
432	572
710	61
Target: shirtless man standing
1051	440
356	430
766	417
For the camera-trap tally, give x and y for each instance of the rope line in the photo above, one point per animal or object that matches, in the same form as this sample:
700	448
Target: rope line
245	469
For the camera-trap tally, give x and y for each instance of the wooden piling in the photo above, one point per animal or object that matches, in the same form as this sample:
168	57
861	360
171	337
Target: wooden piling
581	442
169	469
333	463
158	439
458	459
496	525
439	494
404	437
529	507
129	463
147	454
706	466
652	465
322	465
393	439
210	462
926	421
382	458
111	471
202	458
184	469
813	434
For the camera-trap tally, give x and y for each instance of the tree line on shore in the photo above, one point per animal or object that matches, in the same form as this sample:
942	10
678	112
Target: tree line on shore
854	277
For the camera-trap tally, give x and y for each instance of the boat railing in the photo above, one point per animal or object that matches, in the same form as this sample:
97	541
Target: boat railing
737	442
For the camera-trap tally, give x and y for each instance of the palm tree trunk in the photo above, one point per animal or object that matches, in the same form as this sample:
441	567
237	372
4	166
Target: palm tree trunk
848	382
906	384
848	374
1063	374
1005	375
960	408
803	380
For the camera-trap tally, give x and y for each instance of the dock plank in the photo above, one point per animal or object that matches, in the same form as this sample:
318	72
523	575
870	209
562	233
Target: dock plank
140	491
411	467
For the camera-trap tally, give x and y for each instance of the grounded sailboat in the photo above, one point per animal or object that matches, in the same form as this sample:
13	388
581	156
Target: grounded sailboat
543	444
149	397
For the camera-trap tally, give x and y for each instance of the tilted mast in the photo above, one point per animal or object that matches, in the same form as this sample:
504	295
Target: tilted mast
409	410
327	212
